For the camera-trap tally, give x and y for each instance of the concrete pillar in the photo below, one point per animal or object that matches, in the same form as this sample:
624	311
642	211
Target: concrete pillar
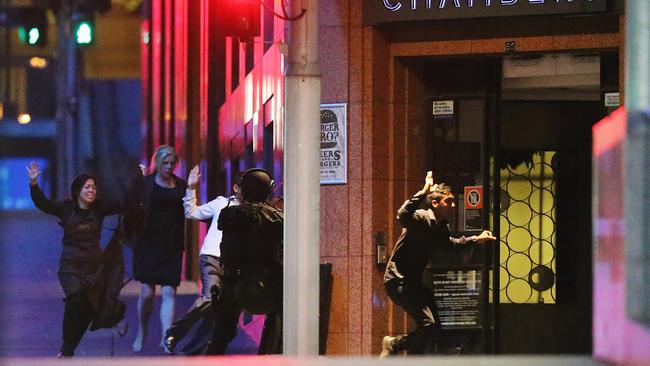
302	183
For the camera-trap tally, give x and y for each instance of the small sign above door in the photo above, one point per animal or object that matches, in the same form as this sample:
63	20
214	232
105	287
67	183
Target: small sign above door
612	99
443	108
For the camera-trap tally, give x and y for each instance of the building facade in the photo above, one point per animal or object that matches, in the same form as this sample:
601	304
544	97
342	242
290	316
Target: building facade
484	93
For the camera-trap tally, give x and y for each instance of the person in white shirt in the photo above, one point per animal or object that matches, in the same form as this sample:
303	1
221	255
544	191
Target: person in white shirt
200	314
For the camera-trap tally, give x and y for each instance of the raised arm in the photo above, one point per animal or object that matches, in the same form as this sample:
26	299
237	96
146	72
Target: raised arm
406	214
38	197
200	212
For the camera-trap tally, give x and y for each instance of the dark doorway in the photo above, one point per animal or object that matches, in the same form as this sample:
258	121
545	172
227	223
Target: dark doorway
509	125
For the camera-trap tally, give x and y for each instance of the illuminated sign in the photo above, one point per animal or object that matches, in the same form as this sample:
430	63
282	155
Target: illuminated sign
383	11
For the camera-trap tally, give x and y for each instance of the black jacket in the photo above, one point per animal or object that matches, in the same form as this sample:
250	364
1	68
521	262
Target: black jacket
81	262
83	265
421	237
137	203
252	237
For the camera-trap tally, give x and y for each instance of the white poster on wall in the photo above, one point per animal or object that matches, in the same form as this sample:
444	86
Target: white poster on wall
333	144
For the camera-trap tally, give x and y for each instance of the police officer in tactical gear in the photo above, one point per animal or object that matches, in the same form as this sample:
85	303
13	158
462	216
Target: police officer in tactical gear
251	255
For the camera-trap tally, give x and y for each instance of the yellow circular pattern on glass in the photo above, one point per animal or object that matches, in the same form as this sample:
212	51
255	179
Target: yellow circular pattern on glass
504	225
519	291
504	252
519	239
519	214
542	252
542	227
519	189
519	265
541	200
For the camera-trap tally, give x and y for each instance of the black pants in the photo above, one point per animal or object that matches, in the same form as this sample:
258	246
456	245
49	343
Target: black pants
228	308
200	315
77	316
417	300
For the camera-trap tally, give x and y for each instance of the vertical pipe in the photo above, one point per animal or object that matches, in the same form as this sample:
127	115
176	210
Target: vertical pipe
302	184
485	272
496	209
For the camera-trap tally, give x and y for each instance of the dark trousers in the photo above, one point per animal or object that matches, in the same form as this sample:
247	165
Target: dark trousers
228	308
417	300
77	316
200	315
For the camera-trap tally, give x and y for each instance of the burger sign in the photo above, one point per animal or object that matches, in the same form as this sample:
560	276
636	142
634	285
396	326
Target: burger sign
333	167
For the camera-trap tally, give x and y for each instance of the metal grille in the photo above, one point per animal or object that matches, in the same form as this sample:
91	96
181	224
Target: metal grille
528	231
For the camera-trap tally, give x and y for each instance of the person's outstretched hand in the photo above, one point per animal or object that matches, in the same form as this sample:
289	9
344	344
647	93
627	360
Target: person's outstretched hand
428	183
193	177
33	171
485	236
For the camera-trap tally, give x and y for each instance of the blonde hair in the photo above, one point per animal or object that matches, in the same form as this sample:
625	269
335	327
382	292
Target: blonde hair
161	153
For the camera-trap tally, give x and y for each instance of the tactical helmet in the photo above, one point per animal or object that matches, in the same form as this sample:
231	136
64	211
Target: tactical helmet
256	185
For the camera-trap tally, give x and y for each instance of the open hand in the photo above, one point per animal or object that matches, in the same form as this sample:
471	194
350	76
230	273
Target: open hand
193	178
33	171
428	182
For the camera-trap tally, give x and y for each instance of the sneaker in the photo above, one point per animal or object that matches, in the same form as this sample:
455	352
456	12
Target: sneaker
169	345
388	347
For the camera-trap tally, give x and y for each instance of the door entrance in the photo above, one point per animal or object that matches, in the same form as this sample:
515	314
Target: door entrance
523	125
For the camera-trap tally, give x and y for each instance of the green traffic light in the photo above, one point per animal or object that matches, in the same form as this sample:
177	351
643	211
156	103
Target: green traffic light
33	35
84	33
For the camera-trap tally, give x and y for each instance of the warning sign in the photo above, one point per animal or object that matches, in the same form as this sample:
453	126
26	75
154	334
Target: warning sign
473	197
473	208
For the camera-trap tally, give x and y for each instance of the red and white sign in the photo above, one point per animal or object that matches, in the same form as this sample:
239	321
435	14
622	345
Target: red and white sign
473	197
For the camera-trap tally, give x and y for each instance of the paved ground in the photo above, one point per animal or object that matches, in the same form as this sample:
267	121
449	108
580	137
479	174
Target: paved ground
31	306
31	310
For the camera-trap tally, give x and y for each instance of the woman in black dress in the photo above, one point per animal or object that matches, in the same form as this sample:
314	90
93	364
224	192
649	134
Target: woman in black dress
81	262
159	248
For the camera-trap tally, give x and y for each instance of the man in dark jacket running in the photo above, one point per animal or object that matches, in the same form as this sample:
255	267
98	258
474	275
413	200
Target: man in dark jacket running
425	230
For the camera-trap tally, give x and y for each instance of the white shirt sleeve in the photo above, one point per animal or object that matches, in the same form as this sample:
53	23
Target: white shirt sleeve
202	212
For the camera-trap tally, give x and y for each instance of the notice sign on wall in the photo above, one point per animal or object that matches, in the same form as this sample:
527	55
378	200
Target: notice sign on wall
333	156
443	109
473	208
458	298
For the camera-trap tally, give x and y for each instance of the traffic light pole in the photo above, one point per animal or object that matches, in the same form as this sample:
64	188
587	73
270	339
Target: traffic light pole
302	185
67	100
